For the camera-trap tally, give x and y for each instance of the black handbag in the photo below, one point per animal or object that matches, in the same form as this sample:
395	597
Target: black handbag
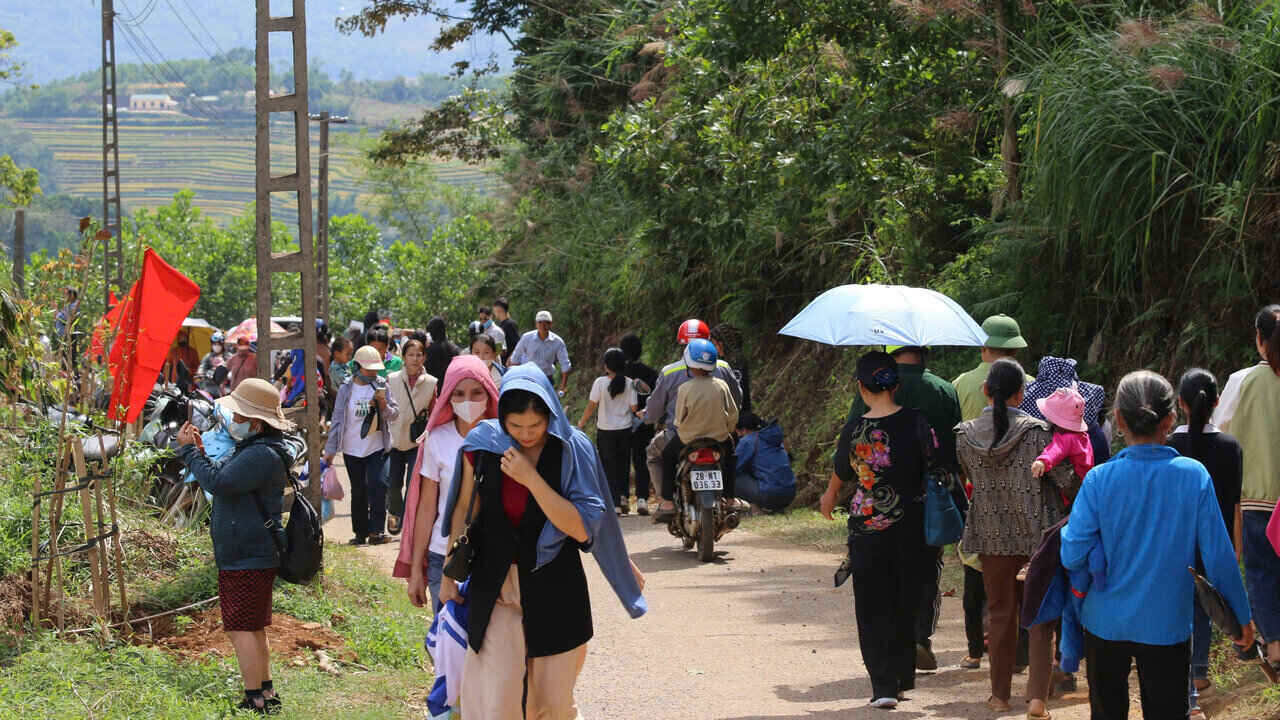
463	552
419	424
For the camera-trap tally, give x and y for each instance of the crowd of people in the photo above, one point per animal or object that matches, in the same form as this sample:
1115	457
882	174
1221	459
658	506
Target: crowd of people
1027	461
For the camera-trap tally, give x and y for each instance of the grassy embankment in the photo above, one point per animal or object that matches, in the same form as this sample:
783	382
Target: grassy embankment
374	637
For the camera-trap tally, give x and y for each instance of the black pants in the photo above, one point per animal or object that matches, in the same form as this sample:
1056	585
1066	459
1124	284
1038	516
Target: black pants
886	587
368	493
1162	678
975	601
614	447
640	438
671	459
401	464
930	600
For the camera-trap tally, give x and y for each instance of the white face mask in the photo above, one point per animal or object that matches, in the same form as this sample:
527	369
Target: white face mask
469	411
240	430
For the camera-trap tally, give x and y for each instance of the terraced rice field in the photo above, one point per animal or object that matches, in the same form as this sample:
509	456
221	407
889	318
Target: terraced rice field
157	159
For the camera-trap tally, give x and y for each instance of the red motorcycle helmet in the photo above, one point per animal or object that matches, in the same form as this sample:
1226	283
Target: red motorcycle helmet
692	329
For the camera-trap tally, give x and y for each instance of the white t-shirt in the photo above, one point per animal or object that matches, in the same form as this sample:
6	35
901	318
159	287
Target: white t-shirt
359	404
443	444
615	412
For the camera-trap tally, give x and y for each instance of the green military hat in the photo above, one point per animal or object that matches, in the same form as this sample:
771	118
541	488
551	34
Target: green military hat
1003	333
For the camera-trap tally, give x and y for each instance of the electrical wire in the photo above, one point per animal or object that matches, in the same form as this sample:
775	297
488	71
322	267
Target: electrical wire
143	44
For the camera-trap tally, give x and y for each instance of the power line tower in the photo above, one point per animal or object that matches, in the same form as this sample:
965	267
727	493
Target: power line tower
301	261
113	252
322	210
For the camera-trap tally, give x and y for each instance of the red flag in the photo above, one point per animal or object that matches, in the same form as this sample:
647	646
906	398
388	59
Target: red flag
106	325
149	320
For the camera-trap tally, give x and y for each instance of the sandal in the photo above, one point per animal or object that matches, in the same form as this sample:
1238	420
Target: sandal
379	539
393	525
998	705
971	663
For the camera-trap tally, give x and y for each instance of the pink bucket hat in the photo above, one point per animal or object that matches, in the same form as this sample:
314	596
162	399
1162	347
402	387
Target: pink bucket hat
1064	408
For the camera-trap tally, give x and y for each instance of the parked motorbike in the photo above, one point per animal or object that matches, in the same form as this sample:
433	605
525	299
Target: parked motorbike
701	518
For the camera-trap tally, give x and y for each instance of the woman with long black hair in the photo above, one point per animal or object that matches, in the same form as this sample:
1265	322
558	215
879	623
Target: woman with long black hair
1220	454
1009	513
614	395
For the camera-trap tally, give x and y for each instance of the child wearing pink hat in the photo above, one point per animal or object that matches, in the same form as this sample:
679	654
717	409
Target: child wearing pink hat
1064	410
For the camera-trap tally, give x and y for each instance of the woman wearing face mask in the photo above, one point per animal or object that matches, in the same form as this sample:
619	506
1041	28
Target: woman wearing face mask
413	389
540	504
467	396
216	358
361	428
244	487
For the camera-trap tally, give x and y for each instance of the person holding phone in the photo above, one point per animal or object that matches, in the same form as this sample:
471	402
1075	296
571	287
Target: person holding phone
361	429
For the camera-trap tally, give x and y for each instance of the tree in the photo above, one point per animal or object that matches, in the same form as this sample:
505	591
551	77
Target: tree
19	185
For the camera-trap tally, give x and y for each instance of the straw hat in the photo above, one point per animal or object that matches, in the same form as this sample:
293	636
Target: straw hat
257	399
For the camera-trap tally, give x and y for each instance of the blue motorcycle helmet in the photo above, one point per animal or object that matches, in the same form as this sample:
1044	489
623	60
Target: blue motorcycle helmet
701	354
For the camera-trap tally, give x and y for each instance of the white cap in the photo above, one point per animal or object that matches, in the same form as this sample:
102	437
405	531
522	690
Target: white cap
543	316
368	358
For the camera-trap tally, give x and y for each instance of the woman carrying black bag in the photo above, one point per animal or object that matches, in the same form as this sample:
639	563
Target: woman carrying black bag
253	477
413	389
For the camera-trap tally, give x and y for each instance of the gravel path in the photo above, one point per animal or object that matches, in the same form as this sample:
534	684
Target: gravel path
758	633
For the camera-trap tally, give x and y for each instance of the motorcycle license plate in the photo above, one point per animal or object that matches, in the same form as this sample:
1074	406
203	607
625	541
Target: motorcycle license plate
706	480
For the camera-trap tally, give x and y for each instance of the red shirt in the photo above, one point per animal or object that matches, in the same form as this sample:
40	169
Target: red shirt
515	497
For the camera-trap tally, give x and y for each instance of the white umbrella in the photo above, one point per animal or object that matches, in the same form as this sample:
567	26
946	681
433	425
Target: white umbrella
885	315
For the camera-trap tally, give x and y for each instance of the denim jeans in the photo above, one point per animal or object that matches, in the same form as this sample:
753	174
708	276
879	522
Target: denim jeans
401	463
368	493
1201	640
748	488
435	572
1261	573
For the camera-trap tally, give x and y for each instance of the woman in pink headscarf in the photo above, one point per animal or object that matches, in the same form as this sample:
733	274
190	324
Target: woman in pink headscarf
468	396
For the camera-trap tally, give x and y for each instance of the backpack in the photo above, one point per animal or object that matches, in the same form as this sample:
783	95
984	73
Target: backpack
300	543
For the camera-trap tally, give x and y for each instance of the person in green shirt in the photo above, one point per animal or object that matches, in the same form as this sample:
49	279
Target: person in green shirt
1004	339
380	338
935	398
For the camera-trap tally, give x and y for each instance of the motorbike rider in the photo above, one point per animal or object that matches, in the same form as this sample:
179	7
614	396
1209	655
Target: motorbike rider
215	358
705	410
661	407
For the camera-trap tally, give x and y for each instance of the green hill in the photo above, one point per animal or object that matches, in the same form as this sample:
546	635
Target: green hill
163	155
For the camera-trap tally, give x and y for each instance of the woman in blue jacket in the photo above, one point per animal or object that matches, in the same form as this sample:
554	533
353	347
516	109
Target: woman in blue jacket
244	487
1151	511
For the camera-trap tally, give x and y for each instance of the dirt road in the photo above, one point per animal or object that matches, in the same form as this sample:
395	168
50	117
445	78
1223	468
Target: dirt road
759	633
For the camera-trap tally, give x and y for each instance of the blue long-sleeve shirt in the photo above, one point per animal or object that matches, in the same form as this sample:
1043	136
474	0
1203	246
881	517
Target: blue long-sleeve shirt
1150	509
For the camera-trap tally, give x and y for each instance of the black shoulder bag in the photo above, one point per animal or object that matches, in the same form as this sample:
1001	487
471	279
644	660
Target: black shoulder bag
463	551
419	424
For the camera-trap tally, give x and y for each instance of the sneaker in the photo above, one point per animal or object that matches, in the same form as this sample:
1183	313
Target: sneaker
885	703
925	659
642	507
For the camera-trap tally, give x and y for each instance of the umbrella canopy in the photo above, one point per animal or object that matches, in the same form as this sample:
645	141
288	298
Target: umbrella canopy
249	329
199	334
885	315
1215	606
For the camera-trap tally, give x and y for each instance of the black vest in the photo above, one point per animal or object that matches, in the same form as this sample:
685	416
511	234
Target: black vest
554	598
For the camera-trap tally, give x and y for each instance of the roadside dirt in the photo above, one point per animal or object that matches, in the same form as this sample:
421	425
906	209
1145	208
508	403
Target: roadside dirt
200	635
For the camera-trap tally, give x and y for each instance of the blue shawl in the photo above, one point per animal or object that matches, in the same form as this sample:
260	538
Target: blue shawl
582	482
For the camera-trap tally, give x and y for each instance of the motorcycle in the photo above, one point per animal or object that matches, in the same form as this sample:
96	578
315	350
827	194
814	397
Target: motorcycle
701	519
166	410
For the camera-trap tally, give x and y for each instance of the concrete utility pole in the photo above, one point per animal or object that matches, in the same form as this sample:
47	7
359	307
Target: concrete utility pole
322	210
113	250
302	261
19	251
